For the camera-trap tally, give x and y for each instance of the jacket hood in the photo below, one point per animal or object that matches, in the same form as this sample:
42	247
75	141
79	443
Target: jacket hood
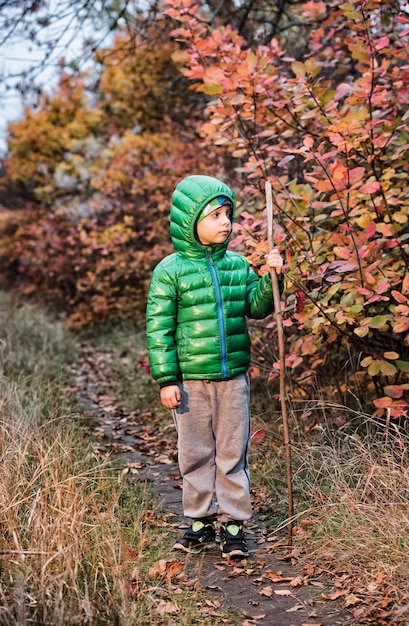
190	197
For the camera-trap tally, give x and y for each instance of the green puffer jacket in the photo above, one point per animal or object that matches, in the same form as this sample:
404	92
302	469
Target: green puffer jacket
199	297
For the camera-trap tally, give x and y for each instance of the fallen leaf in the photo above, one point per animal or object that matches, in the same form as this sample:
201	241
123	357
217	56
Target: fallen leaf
235	559
163	459
266	591
165	607
275	577
351	600
253	617
282	592
236	571
134	467
182	577
158	569
131	554
172	569
335	595
258	436
294	608
219	567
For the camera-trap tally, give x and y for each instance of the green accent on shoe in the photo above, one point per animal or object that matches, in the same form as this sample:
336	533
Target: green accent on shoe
201	535
232	540
234	529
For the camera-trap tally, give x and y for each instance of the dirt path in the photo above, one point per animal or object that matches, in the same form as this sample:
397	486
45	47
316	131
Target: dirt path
268	588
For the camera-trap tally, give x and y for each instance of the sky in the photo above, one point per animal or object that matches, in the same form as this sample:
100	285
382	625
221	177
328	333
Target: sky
19	53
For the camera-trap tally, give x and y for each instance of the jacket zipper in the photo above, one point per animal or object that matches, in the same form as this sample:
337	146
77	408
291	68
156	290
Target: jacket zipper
220	315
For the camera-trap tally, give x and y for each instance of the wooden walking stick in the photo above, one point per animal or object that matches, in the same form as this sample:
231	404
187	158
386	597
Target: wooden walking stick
281	349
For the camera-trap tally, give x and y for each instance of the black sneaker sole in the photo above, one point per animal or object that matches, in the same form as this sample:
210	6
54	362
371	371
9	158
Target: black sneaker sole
194	549
237	552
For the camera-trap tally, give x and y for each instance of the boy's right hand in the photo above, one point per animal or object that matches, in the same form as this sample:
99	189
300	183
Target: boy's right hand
170	396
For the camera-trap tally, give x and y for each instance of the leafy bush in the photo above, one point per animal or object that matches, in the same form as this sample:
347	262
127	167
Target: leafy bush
330	133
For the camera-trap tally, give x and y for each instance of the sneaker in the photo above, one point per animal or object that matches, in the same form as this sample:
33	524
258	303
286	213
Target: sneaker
200	536
232	539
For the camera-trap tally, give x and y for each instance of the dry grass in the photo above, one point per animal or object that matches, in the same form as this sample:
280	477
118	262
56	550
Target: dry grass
77	539
54	539
61	541
351	487
356	482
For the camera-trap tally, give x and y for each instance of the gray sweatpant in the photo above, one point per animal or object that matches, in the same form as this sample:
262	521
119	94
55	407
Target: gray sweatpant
213	425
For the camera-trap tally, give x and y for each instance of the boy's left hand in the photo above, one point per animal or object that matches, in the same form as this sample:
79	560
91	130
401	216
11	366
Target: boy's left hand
274	261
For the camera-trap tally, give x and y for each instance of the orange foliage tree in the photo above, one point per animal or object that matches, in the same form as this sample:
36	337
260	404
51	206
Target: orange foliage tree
331	133
99	159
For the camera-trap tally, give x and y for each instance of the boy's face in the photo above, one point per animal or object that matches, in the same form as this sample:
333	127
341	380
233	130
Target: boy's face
215	227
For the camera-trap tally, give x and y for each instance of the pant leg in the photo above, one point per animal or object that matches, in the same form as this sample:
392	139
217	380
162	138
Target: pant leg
196	449
232	429
213	424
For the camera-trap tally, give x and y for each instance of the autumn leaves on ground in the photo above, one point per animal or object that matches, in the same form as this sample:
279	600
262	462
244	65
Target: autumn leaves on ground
81	543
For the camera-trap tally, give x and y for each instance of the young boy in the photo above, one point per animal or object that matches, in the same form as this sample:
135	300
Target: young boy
199	353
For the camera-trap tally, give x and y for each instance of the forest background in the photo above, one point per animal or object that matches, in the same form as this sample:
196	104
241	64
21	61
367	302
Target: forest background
311	96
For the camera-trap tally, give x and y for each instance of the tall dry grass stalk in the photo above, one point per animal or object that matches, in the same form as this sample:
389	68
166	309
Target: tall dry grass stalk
355	481
62	540
351	484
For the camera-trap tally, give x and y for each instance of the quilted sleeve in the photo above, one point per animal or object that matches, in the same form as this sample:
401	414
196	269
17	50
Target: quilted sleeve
260	294
161	314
